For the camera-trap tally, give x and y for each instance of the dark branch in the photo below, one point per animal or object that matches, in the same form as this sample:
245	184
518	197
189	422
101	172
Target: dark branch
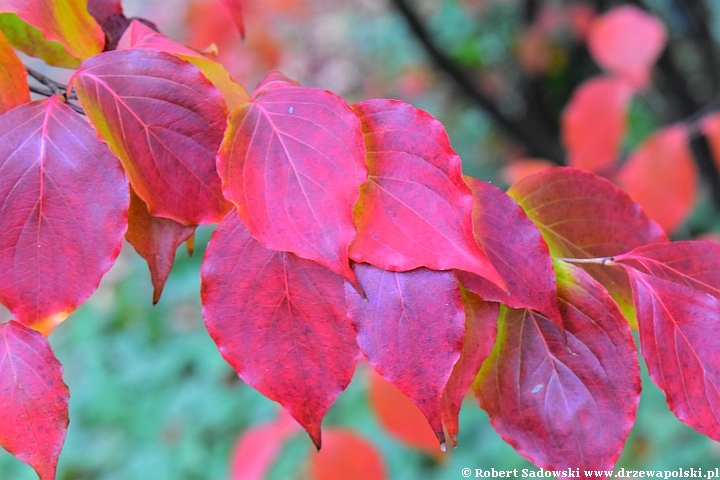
699	16
55	87
532	134
41	91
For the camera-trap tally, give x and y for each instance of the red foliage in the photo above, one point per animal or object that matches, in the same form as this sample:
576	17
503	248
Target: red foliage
259	446
541	389
627	42
170	158
478	340
348	229
34	399
64	213
410	329
280	321
416	209
273	145
348	456
662	177
401	417
594	123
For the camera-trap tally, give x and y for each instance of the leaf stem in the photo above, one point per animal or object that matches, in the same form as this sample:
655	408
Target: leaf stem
596	261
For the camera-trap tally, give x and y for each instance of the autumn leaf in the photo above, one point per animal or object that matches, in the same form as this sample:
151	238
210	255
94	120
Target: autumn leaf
60	32
139	35
14	89
292	161
280	321
581	215
64	212
347	455
34	399
400	417
478	340
416	209
594	123
662	177
564	402
516	249
259	446
236	11
155	239
410	329
170	158
675	287
627	42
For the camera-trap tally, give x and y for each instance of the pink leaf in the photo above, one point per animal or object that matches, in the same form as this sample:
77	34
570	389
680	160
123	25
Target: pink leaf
34	399
662	177
627	42
594	123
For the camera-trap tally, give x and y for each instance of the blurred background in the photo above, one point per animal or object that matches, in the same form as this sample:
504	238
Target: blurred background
151	397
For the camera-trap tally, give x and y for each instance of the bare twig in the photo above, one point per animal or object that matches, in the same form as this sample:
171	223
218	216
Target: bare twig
533	135
55	87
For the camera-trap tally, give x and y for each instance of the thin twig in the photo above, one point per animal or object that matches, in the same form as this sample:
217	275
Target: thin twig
41	91
77	108
532	134
55	87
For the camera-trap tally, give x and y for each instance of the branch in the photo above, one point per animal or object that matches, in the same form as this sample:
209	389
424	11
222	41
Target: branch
53	88
699	15
529	133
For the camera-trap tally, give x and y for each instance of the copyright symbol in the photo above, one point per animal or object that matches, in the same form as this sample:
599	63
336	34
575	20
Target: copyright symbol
466	472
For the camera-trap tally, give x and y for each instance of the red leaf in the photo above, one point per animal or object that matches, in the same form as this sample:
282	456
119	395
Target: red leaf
594	123
675	287
581	215
280	321
662	177
674	322
690	263
34	399
627	42
416	209
102	9
156	240
14	89
400	416
516	249
64	212
346	455
564	405
259	446
293	161
478	340
165	121
139	35
410	328
235	7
